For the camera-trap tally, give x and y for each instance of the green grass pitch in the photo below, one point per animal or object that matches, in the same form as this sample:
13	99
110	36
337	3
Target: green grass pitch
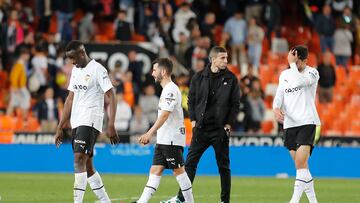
54	188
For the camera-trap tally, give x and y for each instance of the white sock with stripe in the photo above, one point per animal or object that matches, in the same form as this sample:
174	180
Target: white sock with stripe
186	187
309	189
150	188
300	184
98	188
79	187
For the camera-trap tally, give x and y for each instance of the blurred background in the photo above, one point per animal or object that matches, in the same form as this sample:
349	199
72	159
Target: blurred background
127	35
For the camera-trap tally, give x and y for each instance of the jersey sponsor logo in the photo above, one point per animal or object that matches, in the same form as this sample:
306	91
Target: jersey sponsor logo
292	90
79	142
80	87
170	159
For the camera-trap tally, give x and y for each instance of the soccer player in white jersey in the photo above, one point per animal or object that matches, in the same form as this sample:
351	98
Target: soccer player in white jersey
294	106
170	135
84	106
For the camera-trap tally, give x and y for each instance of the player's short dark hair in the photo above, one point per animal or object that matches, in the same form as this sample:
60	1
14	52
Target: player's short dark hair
215	50
164	63
302	52
74	45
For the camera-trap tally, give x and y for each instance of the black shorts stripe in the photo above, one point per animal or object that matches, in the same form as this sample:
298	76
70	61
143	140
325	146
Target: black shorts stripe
151	187
98	188
186	189
79	189
304	180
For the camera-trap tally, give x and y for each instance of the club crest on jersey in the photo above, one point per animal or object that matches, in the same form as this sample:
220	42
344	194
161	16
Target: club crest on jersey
87	77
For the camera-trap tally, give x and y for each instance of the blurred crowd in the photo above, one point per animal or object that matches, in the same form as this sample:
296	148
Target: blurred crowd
34	33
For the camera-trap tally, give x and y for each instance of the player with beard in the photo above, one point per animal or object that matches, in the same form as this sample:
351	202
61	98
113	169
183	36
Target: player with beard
170	130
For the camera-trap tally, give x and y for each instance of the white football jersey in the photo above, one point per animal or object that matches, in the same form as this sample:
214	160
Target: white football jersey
89	85
295	96
172	132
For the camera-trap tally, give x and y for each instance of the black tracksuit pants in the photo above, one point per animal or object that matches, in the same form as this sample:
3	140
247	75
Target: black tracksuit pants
219	140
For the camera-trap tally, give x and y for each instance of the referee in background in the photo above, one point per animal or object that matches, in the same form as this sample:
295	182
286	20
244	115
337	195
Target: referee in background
294	106
214	102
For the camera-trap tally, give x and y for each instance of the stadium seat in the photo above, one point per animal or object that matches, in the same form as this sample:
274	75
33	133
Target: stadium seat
267	126
6	137
138	37
312	60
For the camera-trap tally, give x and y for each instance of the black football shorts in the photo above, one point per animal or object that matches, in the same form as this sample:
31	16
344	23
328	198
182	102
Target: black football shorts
83	139
170	156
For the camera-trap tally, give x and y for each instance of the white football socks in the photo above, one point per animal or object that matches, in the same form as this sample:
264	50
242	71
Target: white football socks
79	187
150	188
98	188
186	187
303	182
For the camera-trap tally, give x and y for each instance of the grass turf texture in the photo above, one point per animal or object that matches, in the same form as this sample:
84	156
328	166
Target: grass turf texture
41	188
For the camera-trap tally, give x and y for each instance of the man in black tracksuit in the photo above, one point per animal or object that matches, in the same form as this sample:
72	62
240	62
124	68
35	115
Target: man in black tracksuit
214	102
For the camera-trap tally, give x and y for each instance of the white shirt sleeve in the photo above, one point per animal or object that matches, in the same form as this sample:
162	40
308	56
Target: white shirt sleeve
103	79
310	77
169	100
71	82
279	96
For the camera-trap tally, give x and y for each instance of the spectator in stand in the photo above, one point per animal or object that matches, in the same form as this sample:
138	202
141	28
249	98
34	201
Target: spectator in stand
19	94
181	47
13	37
342	47
128	89
254	40
123	114
247	80
254	109
181	18
327	79
208	26
253	9
40	65
183	82
164	9
52	48
44	12
338	6
325	27
116	75
129	7
348	18
136	67
65	12
123	29
199	66
237	29
149	103
47	111
86	28
139	123
272	18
